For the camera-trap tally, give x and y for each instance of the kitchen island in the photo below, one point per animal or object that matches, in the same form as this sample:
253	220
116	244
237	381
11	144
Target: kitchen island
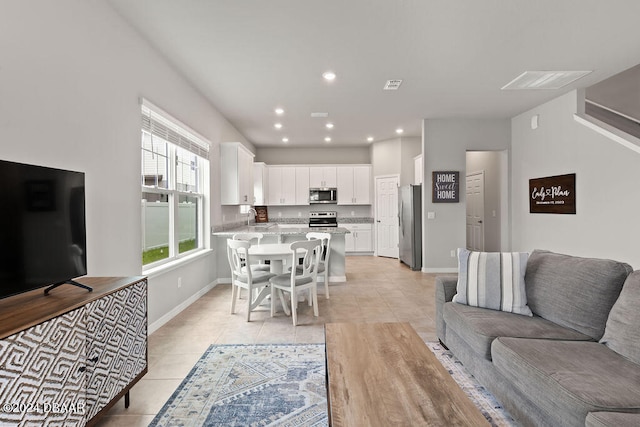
278	233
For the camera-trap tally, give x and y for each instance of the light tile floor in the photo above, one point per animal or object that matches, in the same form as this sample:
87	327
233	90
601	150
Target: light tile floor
377	290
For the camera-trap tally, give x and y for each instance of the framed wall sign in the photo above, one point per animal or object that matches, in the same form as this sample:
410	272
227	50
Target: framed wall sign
553	194
445	187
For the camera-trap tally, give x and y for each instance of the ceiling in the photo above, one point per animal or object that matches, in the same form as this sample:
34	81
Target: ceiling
250	56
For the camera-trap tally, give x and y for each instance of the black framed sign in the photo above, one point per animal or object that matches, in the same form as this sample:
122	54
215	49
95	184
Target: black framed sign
553	194
445	187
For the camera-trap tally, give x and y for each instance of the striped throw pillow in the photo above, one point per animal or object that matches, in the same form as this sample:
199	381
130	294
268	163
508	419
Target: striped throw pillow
493	280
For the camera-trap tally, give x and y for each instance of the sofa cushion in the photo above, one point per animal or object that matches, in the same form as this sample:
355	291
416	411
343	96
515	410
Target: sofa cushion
479	327
612	419
622	333
492	280
571	378
574	292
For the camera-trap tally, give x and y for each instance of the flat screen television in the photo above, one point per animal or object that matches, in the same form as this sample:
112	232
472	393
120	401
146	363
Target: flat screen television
42	227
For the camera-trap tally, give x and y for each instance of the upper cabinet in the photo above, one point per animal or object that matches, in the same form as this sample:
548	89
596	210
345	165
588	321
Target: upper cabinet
260	183
302	185
236	175
289	184
282	185
322	176
354	185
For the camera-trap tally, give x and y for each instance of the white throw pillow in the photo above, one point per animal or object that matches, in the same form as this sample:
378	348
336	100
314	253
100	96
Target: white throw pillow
493	280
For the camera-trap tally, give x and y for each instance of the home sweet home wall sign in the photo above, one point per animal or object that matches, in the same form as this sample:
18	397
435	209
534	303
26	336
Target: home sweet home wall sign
553	194
446	187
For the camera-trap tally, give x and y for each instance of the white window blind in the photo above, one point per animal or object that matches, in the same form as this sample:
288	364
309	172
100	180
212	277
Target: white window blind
160	124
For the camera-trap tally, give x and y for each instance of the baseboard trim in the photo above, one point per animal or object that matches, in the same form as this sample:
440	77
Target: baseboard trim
336	279
439	270
176	310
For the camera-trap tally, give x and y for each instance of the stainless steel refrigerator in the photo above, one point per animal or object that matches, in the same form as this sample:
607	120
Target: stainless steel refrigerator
410	214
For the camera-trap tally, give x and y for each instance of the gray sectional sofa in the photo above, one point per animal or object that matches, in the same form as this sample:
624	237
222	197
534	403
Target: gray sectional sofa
576	362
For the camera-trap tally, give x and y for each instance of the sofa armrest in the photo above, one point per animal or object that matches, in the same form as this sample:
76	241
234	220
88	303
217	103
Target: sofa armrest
446	287
445	290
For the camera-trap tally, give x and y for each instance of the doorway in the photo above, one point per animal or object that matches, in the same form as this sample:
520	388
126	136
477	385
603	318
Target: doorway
386	216
475	211
487	196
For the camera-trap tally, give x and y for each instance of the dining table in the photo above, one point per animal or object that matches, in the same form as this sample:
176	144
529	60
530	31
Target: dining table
275	253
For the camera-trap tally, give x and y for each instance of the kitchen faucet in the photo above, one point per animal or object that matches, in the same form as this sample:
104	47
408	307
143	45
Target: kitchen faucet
249	214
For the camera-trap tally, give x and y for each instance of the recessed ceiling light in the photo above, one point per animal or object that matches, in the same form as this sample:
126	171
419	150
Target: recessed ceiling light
544	79
370	139
279	111
327	139
399	131
278	125
329	76
285	139
329	125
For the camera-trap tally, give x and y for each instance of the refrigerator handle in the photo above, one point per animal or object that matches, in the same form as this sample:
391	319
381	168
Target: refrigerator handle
400	217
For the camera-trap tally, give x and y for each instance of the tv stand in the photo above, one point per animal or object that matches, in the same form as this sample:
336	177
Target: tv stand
70	282
74	350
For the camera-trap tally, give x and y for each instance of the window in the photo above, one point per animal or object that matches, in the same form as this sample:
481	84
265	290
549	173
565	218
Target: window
173	177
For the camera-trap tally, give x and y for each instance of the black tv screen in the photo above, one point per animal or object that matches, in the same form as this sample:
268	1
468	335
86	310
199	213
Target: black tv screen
42	227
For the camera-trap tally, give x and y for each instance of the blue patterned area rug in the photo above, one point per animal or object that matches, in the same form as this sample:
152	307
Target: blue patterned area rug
480	396
251	385
280	385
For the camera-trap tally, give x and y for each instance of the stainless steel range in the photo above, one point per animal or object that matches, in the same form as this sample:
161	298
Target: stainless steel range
323	219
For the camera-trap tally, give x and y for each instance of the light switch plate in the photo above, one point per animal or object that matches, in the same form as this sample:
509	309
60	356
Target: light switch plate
431	215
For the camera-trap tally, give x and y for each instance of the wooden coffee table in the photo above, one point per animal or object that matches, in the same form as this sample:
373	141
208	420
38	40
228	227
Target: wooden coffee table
383	374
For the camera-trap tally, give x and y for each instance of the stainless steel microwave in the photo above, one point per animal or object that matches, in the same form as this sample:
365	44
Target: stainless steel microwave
323	195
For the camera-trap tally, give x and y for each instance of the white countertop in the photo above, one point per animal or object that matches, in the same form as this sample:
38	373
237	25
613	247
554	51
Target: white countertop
275	229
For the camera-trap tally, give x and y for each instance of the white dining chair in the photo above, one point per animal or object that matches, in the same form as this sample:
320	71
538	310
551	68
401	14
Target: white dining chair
325	251
298	279
255	282
254	238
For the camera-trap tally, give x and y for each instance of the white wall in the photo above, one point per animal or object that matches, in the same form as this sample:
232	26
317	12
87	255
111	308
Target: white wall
607	175
385	157
445	143
395	157
410	147
71	74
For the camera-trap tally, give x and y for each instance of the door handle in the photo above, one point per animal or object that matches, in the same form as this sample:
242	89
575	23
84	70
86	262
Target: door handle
480	221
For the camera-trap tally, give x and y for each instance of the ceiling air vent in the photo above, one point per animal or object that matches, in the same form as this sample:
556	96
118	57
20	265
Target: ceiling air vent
319	115
544	79
392	84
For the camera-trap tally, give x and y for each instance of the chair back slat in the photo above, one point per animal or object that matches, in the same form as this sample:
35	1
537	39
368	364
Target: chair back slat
238	255
308	251
326	244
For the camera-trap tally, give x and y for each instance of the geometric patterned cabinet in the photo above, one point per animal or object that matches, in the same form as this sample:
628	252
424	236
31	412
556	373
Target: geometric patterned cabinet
116	344
43	365
66	358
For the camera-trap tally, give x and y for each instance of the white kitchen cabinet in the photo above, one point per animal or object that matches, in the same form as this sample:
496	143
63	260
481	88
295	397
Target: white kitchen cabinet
322	176
236	175
282	185
354	185
360	238
302	185
260	183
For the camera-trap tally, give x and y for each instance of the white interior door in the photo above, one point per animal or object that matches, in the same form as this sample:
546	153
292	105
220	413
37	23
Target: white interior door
387	230
475	211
